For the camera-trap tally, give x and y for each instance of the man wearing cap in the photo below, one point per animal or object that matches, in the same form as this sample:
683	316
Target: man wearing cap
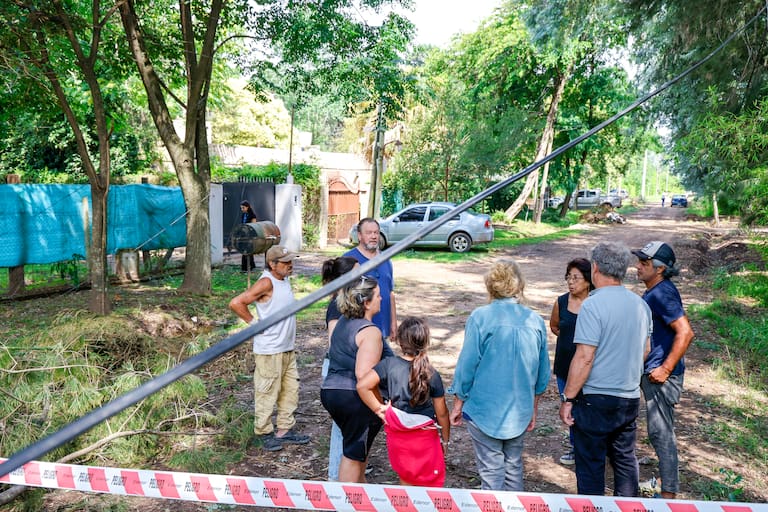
662	380
601	399
276	377
368	248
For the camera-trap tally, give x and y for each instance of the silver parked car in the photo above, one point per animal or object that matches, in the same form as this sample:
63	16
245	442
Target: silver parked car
459	234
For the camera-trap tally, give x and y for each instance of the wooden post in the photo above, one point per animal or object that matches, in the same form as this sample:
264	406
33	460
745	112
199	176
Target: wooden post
15	274
146	256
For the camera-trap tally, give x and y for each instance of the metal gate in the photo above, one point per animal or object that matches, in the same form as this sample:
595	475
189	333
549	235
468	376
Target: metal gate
343	209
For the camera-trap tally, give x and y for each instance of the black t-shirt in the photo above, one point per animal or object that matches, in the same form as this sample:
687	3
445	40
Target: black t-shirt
565	348
394	373
333	313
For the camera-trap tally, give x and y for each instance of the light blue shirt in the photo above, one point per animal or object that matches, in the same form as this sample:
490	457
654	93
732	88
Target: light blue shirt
503	364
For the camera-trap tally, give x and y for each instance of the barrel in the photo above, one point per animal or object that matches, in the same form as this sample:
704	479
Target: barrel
254	237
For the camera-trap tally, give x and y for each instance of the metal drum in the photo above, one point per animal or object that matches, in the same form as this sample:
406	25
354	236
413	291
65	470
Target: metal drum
254	237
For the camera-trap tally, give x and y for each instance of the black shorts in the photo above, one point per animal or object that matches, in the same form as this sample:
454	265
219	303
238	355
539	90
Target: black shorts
358	424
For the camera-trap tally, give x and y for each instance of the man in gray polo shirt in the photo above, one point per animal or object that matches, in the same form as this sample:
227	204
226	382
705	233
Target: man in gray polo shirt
601	399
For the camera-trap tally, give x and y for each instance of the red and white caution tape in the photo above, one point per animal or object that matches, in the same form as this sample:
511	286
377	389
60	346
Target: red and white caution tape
315	495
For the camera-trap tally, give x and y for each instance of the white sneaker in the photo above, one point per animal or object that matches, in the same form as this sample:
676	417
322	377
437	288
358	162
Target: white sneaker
569	459
651	487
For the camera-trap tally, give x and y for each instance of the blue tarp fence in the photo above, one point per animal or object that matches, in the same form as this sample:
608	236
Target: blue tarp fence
42	224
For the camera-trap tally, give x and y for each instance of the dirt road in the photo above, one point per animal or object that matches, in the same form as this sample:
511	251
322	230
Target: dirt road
447	293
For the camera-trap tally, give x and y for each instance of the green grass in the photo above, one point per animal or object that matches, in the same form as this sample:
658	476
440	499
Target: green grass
739	318
733	328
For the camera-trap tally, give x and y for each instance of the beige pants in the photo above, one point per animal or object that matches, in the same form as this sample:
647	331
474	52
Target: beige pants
275	382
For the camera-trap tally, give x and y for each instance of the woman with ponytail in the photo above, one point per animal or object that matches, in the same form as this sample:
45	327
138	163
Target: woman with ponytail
416	415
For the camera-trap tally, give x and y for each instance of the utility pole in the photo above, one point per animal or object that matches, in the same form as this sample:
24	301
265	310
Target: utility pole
374	199
645	170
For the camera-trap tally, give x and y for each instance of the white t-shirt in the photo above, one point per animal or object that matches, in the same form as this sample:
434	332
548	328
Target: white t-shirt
280	337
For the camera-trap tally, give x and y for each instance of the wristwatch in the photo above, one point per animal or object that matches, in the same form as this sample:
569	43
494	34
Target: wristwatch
564	399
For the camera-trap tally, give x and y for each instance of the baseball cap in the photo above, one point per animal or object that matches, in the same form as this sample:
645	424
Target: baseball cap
280	253
657	251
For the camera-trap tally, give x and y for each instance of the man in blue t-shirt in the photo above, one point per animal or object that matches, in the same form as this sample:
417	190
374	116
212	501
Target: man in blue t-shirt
662	381
368	248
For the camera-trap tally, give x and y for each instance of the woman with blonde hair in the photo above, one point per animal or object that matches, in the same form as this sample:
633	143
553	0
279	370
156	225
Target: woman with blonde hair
356	347
502	371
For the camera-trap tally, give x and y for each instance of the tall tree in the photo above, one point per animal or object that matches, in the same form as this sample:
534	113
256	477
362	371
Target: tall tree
564	32
189	153
67	50
294	32
672	35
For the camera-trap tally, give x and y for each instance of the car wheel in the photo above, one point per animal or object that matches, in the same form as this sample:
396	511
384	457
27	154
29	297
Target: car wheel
382	242
460	242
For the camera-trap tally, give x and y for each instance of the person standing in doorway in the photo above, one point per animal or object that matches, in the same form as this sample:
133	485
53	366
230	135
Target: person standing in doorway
662	381
247	263
601	399
275	377
368	248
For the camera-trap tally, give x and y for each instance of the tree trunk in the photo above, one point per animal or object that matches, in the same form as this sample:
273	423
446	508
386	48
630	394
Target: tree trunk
374	199
715	211
190	156
196	190
541	149
97	177
545	176
98	301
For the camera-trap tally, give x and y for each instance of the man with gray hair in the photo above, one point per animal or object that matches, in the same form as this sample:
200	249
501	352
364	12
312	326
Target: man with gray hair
662	381
601	399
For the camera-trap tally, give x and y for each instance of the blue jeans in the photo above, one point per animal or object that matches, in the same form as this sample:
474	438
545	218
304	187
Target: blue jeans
336	448
499	461
606	426
660	402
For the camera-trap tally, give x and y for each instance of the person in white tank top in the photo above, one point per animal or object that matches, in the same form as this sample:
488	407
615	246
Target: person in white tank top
275	377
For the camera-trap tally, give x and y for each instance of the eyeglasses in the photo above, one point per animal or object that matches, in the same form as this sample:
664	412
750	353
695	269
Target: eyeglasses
573	278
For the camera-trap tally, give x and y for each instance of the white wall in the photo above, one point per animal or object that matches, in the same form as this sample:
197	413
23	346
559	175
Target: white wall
288	215
216	213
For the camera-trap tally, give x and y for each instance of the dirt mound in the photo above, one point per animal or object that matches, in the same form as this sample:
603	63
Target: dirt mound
708	252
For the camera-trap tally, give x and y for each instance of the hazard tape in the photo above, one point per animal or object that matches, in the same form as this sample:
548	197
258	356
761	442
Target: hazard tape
315	495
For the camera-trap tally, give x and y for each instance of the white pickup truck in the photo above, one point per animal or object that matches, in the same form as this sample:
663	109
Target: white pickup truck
592	198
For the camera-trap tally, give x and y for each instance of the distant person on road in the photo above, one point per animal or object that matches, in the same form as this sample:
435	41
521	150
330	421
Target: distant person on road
368	248
663	198
601	399
503	369
276	377
562	322
247	215
356	347
415	416
662	381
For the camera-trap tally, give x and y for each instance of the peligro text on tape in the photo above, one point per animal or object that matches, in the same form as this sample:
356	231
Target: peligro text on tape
315	495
